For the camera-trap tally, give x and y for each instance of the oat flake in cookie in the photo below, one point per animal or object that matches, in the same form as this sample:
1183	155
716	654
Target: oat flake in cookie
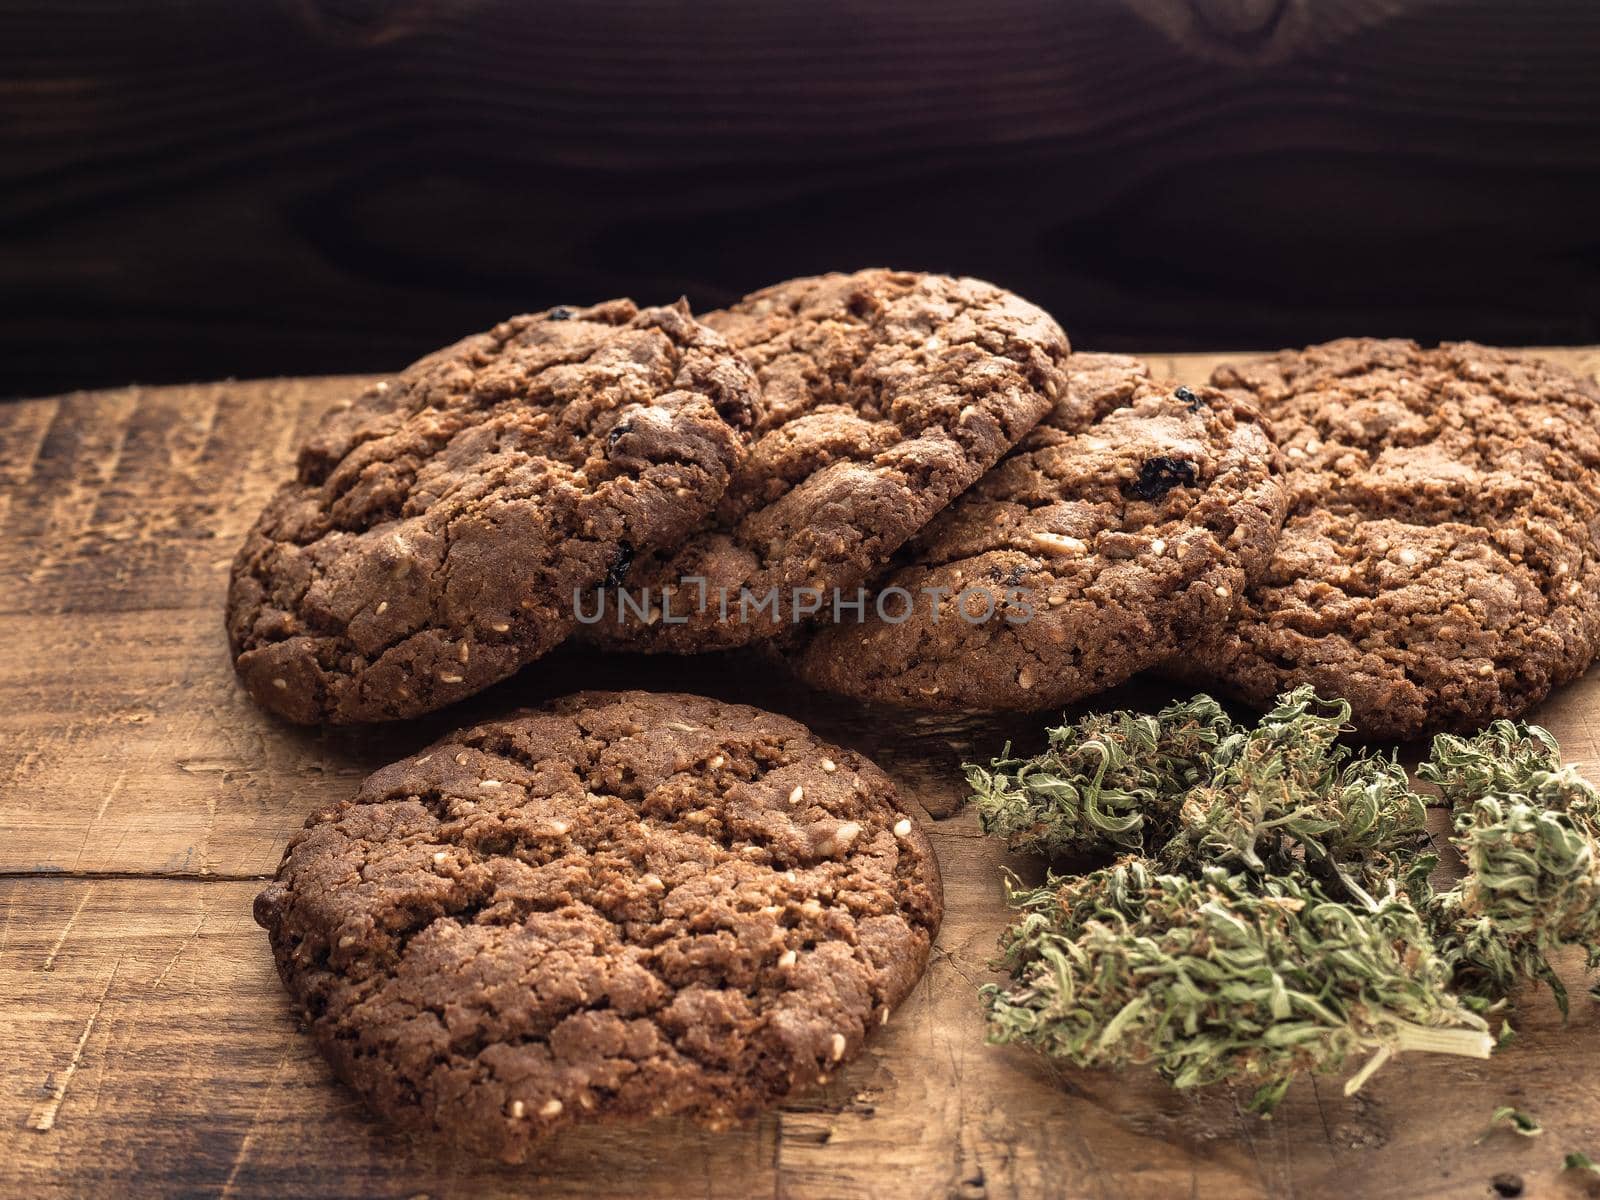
619	906
1441	563
438	527
1086	556
885	394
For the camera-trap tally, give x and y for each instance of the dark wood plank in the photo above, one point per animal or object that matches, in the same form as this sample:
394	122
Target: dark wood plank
316	185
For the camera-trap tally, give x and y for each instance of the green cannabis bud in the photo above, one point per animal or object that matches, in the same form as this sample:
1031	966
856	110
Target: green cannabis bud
1223	978
1287	793
1192	788
1102	782
1270	910
1526	827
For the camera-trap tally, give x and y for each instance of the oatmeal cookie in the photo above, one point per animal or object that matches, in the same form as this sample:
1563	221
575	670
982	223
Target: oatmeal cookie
1440	567
885	395
1087	555
439	526
619	906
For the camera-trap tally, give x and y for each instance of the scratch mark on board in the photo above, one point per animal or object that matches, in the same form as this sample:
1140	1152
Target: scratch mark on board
184	945
50	959
255	1120
43	1118
111	794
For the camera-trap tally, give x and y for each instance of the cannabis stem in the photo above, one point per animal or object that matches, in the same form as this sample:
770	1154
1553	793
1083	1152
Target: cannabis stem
1469	1043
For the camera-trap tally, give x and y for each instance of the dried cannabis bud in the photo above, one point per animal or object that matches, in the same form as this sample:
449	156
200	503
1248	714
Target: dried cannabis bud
1271	912
1191	787
1286	794
1223	977
1526	827
1102	781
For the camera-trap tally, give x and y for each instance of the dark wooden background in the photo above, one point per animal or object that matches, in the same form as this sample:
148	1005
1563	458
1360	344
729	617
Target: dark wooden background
203	189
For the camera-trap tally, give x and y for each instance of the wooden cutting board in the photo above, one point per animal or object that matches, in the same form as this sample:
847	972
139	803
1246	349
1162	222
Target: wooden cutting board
150	1050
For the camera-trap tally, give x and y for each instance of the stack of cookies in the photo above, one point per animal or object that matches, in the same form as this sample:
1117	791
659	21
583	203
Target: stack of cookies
907	488
1439	566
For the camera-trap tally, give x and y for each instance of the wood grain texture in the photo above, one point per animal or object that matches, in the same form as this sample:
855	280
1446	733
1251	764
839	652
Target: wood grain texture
315	185
150	1048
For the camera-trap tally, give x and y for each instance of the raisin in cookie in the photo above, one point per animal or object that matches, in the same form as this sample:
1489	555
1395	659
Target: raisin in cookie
885	394
1087	555
440	526
1441	562
619	906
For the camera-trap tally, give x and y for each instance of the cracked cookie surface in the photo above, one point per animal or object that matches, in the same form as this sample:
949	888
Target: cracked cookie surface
618	906
1440	567
439	526
885	395
1087	555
